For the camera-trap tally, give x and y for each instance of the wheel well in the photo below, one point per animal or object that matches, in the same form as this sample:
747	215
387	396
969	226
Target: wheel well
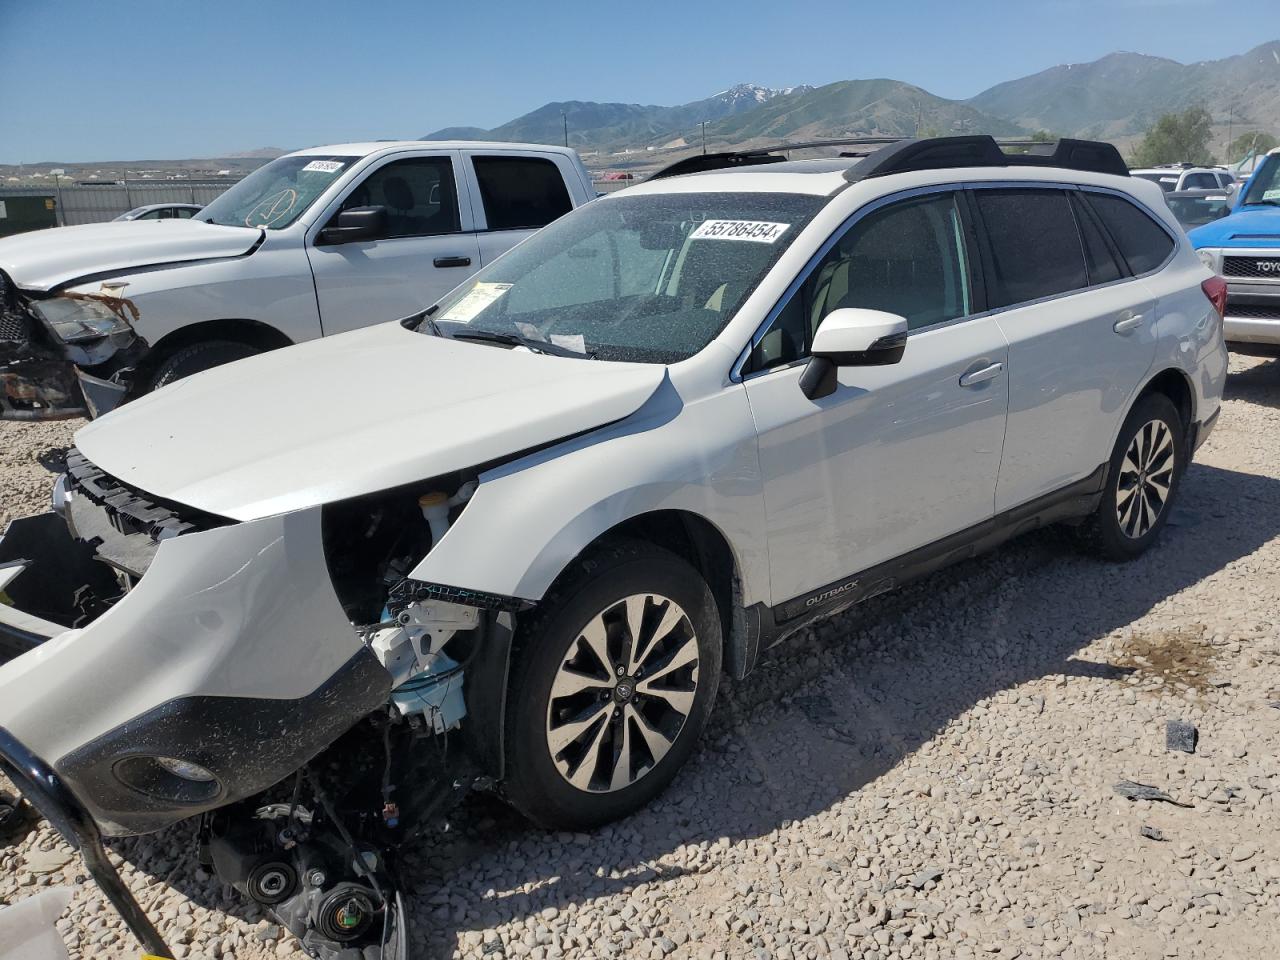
254	333
1174	385
698	542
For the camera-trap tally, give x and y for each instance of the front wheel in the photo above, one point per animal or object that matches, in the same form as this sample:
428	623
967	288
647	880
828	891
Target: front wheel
612	682
196	358
1145	470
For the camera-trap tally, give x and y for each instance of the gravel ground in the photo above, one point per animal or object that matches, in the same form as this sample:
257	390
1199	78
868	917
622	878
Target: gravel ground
931	776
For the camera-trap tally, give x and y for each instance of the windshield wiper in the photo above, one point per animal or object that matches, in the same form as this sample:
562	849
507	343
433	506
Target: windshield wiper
424	320
515	340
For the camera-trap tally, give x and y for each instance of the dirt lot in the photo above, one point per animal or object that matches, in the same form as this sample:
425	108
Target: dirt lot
931	776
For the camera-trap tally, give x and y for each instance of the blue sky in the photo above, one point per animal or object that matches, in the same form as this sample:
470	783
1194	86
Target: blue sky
143	79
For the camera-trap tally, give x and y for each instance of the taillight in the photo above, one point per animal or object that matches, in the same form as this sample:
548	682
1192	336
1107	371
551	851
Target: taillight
1215	288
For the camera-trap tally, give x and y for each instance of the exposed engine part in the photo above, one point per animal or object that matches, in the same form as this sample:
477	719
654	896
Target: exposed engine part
425	680
435	507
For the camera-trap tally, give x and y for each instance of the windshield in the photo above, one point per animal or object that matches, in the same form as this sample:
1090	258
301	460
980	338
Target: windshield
649	279
1166	181
276	195
1265	185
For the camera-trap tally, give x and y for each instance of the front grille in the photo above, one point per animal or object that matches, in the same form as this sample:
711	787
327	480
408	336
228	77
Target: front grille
1252	312
131	511
13	319
1251	268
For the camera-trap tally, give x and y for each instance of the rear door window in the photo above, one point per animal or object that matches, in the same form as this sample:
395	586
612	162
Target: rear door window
1142	242
1035	248
520	193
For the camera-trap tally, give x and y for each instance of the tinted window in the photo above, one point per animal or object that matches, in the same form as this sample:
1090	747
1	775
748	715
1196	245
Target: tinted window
150	215
1102	265
184	213
1200	181
1142	241
908	259
1034	243
521	192
419	195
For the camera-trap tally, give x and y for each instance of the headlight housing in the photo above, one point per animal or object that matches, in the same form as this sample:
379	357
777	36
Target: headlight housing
75	319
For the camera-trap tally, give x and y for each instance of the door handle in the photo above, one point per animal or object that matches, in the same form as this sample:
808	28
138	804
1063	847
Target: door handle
975	377
1125	324
452	261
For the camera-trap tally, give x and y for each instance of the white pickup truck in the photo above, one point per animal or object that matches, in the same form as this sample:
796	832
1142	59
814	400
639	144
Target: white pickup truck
317	242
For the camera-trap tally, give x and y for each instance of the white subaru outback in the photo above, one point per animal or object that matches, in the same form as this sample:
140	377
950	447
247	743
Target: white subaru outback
539	520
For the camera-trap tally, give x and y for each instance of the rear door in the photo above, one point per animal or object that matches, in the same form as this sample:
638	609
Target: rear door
515	193
428	249
1081	335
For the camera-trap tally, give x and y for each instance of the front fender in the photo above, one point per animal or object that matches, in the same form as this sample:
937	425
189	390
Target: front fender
529	519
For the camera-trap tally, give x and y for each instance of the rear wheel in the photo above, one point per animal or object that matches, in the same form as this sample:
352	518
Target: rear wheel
1146	468
611	686
196	358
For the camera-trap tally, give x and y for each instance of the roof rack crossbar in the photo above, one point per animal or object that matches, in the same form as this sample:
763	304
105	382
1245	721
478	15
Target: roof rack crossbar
886	155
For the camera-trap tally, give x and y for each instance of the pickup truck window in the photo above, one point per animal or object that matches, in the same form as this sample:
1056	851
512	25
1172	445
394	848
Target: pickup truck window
521	193
1265	185
419	195
647	279
277	194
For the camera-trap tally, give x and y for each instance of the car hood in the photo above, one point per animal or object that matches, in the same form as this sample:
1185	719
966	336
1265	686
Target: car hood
353	414
44	259
1249	227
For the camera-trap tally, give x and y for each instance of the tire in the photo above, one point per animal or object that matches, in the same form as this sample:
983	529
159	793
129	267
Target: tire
196	358
566	774
1145	470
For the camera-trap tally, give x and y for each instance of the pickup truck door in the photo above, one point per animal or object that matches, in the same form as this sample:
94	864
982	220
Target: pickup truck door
430	246
516	192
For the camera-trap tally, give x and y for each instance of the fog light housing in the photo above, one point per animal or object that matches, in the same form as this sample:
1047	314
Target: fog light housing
168	778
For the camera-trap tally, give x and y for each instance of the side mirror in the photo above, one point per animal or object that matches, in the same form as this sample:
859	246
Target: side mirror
852	337
358	223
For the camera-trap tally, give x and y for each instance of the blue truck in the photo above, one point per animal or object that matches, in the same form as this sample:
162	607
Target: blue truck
1244	247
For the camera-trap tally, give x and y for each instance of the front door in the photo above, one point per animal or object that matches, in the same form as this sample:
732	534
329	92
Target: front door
898	456
428	249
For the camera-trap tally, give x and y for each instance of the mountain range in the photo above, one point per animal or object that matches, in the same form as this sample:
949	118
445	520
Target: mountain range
1116	97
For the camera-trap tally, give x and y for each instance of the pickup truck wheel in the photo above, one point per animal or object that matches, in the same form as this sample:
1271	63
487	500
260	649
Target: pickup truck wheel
196	358
1142	480
611	684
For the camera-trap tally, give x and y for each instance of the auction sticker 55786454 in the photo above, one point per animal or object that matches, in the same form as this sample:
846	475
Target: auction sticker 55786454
752	231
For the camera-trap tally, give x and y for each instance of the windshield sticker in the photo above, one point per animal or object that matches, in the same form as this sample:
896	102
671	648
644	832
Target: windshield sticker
475	301
574	341
1271	194
323	166
752	231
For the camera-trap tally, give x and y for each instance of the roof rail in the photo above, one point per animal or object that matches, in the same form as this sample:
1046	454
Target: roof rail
942	153
887	155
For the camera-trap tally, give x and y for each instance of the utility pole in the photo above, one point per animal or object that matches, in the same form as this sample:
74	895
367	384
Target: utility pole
566	127
1230	116
704	137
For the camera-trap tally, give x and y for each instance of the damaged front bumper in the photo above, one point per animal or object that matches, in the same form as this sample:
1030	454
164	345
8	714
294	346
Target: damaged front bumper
44	378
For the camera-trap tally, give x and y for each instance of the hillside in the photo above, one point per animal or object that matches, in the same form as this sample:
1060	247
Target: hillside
859	107
1122	94
603	125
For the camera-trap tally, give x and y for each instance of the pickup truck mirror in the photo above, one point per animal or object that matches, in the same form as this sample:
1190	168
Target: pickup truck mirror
851	337
358	223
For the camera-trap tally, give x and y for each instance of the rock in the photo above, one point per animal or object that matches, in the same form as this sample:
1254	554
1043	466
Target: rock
1180	735
41	862
1151	833
930	874
1141	791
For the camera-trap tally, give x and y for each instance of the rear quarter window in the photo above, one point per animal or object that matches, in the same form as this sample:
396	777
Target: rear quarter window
1142	242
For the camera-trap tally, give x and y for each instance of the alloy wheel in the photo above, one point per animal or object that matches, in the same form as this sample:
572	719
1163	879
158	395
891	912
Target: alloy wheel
622	694
1144	479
